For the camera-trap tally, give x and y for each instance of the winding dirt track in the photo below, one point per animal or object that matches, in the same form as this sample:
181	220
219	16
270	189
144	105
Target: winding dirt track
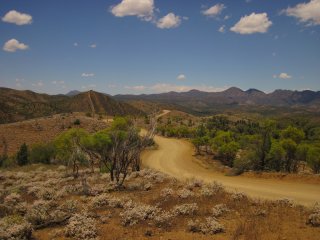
175	157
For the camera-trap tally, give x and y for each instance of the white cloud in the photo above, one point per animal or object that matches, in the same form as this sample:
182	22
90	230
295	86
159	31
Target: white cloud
169	21
38	84
222	29
305	12
58	82
214	10
226	17
181	77
17	18
93	45
13	45
75	44
167	87
91	86
136	88
254	23
283	76
87	75
140	8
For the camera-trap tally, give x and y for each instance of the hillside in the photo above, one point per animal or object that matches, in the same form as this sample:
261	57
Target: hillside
18	105
232	98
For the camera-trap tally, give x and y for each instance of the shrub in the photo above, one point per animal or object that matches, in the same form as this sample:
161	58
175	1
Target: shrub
210	226
77	122
285	202
166	192
219	210
134	213
314	217
81	226
185	193
41	153
22	155
194	183
211	189
238	196
185	209
15	228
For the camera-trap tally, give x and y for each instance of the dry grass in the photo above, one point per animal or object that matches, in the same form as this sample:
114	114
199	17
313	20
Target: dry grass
136	213
44	129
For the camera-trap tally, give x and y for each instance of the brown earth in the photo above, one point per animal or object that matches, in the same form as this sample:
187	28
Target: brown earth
44	129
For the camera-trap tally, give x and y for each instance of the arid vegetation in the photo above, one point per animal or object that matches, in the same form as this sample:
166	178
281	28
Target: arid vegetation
279	145
44	202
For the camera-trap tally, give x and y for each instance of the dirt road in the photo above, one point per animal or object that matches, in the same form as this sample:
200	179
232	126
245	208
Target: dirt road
175	157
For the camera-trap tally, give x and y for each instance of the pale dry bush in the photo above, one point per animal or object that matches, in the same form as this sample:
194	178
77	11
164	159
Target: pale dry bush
163	219
211	189
147	186
184	193
219	209
105	200
238	196
209	226
285	202
12	199
194	183
134	213
152	175
167	193
314	217
15	228
81	226
185	209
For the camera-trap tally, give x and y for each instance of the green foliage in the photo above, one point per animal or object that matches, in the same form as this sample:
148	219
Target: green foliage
302	152
227	152
68	142
77	122
244	161
22	155
297	135
42	153
276	156
290	148
313	159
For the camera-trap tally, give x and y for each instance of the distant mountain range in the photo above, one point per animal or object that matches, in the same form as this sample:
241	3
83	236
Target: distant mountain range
199	101
18	105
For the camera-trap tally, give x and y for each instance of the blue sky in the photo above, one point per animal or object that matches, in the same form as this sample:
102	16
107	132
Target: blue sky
147	46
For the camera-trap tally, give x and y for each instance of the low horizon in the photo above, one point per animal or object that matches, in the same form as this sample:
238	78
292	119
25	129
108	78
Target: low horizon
185	91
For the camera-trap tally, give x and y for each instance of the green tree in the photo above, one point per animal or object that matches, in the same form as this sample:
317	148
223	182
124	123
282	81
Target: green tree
227	152
276	156
290	148
41	153
313	159
22	155
70	147
293	133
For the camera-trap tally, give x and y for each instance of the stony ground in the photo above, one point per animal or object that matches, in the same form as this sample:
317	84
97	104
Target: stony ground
41	202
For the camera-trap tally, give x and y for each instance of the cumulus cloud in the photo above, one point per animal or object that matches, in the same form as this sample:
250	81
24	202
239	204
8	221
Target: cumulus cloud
306	12
169	21
87	75
222	29
13	45
181	77
254	23
75	44
92	45
17	18
214	10
283	76
141	8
